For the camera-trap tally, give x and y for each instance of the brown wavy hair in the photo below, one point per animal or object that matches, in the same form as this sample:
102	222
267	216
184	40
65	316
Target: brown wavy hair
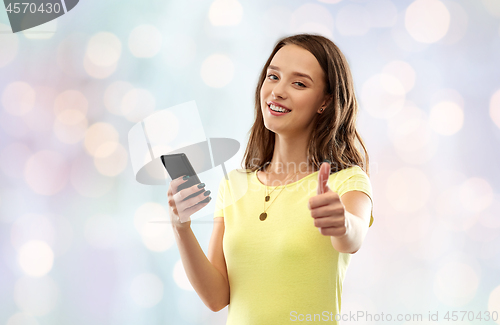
335	136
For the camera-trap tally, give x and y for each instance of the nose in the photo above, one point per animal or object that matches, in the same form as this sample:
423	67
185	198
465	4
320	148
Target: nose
279	90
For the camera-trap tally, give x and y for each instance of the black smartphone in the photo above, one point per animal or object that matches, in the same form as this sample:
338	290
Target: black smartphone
178	165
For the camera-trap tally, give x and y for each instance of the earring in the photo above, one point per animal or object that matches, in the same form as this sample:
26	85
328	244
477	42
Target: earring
321	110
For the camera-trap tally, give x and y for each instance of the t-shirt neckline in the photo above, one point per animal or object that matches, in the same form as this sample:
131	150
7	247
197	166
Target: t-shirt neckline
288	185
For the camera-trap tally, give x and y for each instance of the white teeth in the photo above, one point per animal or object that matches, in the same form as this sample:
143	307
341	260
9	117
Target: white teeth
278	109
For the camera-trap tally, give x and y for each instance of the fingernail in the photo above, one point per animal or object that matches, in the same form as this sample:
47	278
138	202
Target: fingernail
201	185
185	177
206	193
328	161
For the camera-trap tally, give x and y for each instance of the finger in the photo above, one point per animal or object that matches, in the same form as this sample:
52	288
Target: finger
186	204
332	231
174	184
325	222
330	210
323	175
323	200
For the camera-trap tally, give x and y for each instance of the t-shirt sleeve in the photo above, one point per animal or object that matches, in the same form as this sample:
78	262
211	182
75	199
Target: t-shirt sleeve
356	180
219	201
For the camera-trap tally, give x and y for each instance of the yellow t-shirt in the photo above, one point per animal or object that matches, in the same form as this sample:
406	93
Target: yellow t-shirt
281	270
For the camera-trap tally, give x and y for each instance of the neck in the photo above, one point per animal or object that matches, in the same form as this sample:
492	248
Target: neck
290	156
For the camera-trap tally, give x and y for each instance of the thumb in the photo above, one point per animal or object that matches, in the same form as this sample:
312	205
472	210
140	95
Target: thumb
323	175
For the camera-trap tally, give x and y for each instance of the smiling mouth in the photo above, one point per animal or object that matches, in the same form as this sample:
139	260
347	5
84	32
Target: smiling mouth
278	109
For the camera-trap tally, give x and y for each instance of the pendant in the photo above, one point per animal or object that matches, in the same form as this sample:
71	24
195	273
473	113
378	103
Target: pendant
267	198
263	216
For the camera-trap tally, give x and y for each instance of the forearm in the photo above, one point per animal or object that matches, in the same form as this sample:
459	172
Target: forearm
352	240
207	281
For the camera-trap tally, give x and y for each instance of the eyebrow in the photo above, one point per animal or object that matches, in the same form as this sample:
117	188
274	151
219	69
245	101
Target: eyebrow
295	73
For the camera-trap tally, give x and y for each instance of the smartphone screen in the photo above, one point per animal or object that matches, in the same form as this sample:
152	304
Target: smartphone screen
178	165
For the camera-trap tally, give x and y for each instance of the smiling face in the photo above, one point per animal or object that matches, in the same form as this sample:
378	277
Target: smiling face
295	82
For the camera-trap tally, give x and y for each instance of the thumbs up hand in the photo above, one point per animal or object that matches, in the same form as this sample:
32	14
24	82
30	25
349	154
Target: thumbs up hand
326	208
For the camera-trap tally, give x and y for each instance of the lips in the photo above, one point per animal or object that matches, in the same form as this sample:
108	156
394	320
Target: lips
278	105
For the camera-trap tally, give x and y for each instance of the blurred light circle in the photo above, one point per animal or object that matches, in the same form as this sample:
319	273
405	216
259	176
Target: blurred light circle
417	281
427	21
312	17
313	28
492	6
403	40
495	108
71	99
383	13
110	159
147	212
46	172
446	118
144	41
22	319
155	240
164	132
434	245
408	129
13	157
32	227
104	49
106	149
458	23
10	45
450	211
225	13
18	98
455	284
180	277
137	104
403	71
217	70
383	96
146	290
70	126
447	95
275	21
179	51
36	258
408	189
114	94
70	117
102	231
153	223
97	134
87	181
96	71
494	301
476	194
36	296
353	20
410	227
45	31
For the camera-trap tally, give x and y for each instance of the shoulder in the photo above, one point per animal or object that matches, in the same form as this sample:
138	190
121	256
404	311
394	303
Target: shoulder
349	172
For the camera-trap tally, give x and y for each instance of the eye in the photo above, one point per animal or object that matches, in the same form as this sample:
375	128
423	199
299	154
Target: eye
300	84
272	75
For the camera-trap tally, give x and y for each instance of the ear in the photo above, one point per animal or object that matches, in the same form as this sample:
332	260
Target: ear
326	102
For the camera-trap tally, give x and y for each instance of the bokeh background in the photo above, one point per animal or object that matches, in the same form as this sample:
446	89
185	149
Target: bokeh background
75	242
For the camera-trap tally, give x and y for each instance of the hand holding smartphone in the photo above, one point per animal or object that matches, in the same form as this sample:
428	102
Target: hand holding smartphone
178	165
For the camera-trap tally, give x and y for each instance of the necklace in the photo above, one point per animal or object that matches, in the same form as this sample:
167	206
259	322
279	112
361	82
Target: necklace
263	215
